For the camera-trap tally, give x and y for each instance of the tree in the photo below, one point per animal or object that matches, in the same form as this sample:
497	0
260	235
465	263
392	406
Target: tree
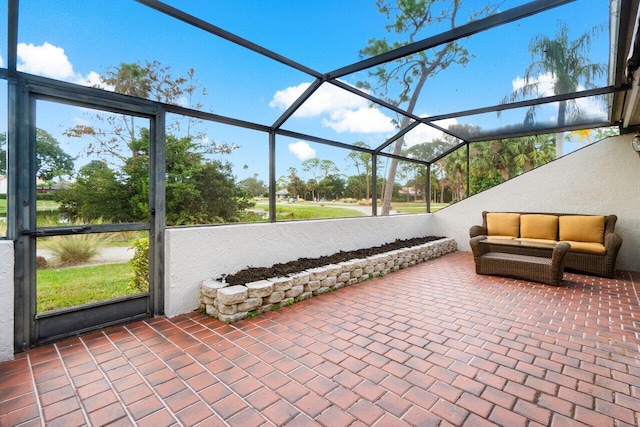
456	171
312	166
567	63
112	136
402	81
356	186
328	168
362	159
194	183
198	191
253	186
98	193
295	185
51	160
331	187
496	161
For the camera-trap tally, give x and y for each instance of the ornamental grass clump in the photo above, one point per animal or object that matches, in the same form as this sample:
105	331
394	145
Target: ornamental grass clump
76	249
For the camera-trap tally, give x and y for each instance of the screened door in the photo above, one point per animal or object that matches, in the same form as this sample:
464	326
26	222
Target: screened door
91	249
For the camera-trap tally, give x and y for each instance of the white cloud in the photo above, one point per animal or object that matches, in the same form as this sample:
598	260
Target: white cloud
51	61
1	60
592	108
544	84
93	79
588	106
45	60
79	121
424	133
361	120
346	111
302	150
326	99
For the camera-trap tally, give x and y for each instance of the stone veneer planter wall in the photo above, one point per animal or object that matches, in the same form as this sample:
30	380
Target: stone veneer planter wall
233	303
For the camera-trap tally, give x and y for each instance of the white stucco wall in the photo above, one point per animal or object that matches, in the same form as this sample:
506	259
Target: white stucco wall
602	178
195	254
6	300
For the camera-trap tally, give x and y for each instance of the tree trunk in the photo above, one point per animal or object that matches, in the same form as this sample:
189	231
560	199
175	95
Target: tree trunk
368	185
391	179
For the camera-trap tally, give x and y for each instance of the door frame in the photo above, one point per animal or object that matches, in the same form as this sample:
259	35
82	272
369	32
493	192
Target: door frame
30	328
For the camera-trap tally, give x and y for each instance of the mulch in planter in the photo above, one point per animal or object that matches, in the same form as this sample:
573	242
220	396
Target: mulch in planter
252	274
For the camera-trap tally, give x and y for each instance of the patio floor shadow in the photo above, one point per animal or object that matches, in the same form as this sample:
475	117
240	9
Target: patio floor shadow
434	344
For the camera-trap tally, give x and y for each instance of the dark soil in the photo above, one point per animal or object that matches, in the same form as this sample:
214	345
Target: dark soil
252	274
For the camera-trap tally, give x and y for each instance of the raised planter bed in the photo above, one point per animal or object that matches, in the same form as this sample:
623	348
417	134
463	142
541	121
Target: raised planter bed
237	302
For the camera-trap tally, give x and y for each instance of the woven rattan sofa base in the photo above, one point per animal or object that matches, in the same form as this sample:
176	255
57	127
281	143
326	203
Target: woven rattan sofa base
595	264
547	268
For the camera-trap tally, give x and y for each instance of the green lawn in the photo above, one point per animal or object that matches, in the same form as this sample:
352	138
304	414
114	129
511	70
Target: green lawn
310	210
41	205
417	207
68	287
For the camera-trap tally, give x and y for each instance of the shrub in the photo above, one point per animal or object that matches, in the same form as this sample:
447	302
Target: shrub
140	265
348	200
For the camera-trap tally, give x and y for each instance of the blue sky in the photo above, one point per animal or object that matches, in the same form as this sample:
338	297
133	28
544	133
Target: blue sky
83	39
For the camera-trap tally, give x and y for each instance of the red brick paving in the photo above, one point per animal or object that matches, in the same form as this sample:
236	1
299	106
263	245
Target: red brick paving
431	345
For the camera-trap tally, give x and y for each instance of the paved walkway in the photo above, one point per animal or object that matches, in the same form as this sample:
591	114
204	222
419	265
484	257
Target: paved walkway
431	345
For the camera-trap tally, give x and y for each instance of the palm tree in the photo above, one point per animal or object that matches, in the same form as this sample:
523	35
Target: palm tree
567	63
456	171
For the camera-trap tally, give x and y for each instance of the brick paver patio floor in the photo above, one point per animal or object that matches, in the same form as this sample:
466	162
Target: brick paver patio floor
434	344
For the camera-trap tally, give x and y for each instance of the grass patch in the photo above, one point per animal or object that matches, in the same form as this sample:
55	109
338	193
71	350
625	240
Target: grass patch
69	287
417	207
41	205
304	210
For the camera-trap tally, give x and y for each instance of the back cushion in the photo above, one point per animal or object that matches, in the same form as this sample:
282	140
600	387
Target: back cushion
582	228
537	226
503	224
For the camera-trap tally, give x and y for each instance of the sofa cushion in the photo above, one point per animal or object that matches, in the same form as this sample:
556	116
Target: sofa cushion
503	224
587	247
582	228
539	226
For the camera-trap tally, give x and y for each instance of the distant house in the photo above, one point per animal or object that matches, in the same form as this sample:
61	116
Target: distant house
411	191
42	186
282	194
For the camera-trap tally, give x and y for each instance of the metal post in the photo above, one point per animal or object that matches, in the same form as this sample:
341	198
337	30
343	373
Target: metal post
272	176
374	184
21	215
429	188
468	170
157	211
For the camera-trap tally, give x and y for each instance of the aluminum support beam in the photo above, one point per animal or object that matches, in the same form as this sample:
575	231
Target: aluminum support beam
12	35
272	177
157	211
217	31
374	185
457	33
397	136
528	103
428	195
297	103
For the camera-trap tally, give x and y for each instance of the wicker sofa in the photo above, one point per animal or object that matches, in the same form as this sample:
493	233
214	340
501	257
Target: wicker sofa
594	242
